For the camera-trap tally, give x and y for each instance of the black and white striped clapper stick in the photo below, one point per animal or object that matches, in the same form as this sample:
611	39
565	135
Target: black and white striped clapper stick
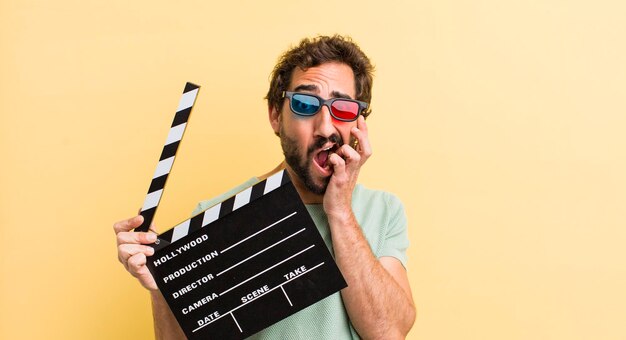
167	156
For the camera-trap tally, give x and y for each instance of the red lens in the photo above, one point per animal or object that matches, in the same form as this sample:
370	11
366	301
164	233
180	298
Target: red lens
345	110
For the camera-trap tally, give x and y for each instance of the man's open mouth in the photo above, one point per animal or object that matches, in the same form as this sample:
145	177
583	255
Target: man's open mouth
321	158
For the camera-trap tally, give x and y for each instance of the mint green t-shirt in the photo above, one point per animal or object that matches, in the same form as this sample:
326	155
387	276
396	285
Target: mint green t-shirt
382	219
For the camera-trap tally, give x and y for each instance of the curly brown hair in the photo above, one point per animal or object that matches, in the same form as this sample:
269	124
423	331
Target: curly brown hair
316	51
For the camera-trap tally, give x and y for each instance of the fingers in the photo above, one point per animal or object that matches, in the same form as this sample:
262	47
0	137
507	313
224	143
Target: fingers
136	238
132	249
137	268
130	243
360	132
360	123
128	225
345	161
125	252
350	157
337	163
136	264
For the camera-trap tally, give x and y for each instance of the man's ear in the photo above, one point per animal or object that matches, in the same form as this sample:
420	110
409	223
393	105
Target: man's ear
274	117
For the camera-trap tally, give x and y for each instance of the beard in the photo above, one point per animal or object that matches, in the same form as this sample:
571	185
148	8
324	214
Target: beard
302	166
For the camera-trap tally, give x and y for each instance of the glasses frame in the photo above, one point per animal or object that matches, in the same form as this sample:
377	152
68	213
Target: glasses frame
325	102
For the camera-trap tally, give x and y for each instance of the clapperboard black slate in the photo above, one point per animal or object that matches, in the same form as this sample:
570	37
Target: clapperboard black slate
243	264
260	261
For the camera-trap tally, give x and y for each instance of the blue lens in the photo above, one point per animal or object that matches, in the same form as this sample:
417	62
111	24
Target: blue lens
304	105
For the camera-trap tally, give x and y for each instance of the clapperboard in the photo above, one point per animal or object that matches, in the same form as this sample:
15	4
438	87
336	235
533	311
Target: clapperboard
243	264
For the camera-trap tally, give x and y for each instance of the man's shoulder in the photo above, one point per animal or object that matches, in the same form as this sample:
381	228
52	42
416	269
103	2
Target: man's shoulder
363	196
382	218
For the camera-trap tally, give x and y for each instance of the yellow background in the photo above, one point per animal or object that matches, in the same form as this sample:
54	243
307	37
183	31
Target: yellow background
500	124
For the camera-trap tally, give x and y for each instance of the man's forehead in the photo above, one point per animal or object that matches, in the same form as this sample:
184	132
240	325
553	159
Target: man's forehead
336	79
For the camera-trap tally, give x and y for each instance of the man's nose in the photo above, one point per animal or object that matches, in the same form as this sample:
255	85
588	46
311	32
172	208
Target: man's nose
324	123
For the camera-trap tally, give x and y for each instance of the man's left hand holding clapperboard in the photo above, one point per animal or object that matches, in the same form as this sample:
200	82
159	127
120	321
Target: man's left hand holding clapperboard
243	264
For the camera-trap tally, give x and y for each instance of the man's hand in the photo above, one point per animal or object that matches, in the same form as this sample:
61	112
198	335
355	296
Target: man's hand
132	250
378	297
346	163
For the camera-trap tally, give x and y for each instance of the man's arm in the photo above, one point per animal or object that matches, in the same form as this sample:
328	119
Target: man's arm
378	298
165	324
132	250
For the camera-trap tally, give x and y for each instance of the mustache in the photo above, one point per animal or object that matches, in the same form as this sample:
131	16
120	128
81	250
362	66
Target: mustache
320	141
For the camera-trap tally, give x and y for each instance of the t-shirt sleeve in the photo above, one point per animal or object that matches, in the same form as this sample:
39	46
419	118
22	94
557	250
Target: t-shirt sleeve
199	208
204	205
396	237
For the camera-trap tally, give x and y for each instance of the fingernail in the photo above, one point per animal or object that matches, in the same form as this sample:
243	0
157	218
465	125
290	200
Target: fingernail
151	237
150	251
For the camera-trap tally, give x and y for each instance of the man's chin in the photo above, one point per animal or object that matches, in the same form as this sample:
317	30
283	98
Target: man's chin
317	186
309	175
314	184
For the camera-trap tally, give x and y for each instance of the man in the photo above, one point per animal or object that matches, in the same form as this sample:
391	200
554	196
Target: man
317	103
